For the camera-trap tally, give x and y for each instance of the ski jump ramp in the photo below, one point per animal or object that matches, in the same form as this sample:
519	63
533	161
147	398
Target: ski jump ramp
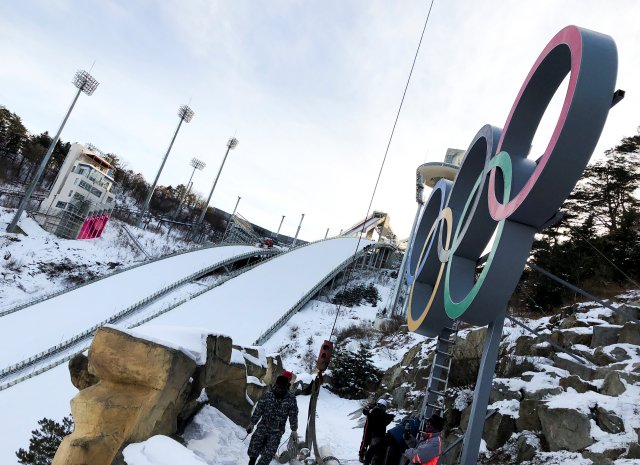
39	327
243	307
248	305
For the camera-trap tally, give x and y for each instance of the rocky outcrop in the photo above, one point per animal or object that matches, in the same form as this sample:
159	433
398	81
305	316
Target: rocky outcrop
608	421
79	372
565	429
144	388
576	383
612	385
467	353
140	393
630	333
604	336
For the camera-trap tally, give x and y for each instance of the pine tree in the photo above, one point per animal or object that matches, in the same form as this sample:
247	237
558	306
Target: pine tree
44	441
354	375
597	241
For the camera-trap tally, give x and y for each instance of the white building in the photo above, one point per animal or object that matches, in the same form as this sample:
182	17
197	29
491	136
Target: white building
81	191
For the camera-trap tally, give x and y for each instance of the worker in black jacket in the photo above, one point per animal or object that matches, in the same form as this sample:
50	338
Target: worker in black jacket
372	447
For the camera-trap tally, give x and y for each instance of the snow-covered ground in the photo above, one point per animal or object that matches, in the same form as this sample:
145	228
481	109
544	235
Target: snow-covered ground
213	439
41	263
299	340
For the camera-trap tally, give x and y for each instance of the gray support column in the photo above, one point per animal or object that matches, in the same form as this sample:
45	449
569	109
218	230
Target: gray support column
481	393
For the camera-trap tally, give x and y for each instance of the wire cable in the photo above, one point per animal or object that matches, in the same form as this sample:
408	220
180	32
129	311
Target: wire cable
384	159
633	281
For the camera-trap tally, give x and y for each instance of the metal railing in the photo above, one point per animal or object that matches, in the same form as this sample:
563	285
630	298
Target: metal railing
100	278
305	298
67	344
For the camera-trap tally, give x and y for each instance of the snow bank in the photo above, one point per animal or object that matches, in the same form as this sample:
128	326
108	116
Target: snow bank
160	450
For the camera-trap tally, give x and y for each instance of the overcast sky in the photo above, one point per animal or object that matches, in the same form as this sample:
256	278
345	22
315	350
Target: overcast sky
310	89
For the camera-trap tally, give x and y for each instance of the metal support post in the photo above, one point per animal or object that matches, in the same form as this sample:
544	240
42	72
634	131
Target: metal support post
326	234
295	239
473	436
333	282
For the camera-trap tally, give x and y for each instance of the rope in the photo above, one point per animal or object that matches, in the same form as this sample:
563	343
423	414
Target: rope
384	159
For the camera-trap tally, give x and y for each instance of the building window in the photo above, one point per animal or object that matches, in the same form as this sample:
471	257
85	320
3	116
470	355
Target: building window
109	199
70	193
78	196
89	188
61	204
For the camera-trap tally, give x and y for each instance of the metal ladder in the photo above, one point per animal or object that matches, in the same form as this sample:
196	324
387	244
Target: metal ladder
439	377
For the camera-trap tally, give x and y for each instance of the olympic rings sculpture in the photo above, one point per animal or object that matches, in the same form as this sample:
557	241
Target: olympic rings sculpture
499	193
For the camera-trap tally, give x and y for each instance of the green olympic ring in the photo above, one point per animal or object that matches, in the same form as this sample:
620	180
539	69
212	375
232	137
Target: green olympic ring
456	309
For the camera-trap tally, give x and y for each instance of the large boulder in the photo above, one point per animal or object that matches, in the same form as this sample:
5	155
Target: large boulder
630	334
633	452
143	386
601	358
572	322
467	353
608	421
604	336
497	430
565	428
612	385
568	337
528	419
513	366
79	372
540	394
563	361
527	445
500	391
228	391
576	383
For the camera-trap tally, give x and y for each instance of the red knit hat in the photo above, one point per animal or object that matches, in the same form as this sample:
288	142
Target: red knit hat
287	374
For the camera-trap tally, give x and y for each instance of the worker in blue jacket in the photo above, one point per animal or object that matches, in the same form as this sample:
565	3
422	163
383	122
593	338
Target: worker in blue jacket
400	437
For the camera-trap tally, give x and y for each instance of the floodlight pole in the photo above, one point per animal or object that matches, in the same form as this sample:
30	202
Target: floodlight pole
295	239
186	114
197	165
326	234
85	83
231	144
